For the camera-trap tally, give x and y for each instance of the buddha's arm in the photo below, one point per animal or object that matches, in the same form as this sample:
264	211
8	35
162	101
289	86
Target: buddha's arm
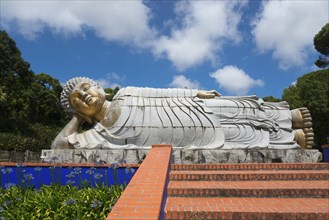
61	141
207	94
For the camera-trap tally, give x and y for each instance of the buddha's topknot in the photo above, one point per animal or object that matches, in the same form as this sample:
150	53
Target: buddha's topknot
68	89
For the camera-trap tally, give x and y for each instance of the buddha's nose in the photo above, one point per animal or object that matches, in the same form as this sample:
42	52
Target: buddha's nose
82	93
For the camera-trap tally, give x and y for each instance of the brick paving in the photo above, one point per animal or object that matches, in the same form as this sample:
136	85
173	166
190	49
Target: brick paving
252	166
249	189
143	197
247	208
235	175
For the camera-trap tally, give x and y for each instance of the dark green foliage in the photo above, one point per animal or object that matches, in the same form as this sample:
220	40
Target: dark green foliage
111	93
321	44
33	137
271	99
15	78
44	100
312	91
29	104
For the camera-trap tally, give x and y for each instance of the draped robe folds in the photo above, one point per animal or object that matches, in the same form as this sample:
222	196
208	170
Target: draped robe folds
178	117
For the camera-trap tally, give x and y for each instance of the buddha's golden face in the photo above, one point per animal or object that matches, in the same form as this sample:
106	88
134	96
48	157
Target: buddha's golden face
87	99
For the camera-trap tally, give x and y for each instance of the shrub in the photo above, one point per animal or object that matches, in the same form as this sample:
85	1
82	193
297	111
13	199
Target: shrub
58	202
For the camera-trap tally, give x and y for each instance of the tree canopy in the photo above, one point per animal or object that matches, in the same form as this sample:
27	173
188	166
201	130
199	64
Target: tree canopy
29	103
321	44
312	91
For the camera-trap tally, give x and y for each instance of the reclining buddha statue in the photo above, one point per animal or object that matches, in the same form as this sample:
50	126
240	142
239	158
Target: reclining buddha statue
137	118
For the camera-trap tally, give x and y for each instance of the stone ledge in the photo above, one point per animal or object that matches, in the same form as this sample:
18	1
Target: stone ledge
246	156
93	156
184	156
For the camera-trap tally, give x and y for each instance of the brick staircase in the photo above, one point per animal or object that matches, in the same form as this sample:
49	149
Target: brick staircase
248	191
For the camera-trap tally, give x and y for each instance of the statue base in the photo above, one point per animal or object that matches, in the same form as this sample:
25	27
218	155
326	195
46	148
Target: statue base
183	156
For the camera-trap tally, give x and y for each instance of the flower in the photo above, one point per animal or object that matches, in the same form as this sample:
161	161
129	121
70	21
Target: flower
28	176
77	170
8	185
114	165
70	182
70	202
96	204
98	176
7	202
37	191
20	165
71	175
37	169
129	170
90	171
7	170
122	161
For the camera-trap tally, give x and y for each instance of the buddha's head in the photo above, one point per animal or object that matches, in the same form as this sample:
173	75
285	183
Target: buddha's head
83	96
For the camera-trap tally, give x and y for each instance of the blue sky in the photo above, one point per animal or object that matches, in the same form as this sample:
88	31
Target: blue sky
235	47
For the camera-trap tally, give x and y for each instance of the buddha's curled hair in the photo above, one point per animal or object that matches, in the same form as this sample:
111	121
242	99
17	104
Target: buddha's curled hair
68	88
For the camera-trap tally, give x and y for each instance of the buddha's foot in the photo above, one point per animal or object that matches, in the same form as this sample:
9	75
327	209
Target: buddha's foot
301	118
302	125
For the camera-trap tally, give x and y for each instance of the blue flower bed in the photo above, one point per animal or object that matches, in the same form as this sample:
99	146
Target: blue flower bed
35	177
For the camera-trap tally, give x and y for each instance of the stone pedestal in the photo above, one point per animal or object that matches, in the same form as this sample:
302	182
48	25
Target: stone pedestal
93	156
246	156
184	156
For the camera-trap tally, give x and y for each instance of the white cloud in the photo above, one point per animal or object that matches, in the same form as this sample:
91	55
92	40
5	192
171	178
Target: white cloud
180	81
125	21
235	80
287	28
112	80
197	34
204	26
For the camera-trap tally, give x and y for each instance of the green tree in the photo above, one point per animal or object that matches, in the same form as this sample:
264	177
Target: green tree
111	92
271	99
321	44
45	100
312	91
15	78
31	115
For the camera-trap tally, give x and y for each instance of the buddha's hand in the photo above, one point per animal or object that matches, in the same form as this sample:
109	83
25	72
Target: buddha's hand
202	94
79	119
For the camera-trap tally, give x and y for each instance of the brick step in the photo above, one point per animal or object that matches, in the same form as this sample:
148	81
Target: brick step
246	208
237	175
253	166
315	189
